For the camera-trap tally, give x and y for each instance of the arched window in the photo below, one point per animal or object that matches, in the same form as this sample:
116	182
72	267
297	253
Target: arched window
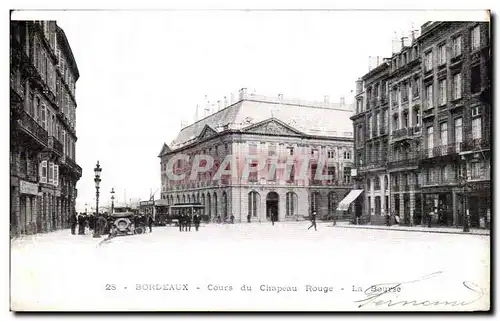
291	204
386	182
183	198
216	213
332	202
253	203
203	200
193	198
315	199
224	204
189	199
377	183
178	199
368	185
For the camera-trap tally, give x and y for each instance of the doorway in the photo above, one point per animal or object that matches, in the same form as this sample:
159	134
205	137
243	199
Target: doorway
272	205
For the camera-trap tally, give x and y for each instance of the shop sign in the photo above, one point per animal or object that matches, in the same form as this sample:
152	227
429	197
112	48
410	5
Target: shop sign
146	203
28	187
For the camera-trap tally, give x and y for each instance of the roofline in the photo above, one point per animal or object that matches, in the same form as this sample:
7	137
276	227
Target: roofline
68	51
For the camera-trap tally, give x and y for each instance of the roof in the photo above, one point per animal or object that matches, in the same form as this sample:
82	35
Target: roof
309	118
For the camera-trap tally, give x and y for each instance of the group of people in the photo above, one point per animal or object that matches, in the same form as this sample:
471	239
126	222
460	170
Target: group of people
185	221
103	222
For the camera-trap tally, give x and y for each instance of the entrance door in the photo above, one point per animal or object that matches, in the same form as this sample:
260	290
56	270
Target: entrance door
272	205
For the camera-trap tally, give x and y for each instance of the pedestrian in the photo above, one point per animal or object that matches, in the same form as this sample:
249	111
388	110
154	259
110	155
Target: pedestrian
272	218
72	222
429	220
150	223
232	219
81	225
313	221
196	221
181	222
249	217
188	222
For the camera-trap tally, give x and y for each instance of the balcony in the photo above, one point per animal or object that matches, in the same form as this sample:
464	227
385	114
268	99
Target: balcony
407	162
400	133
31	127
440	151
440	181
473	145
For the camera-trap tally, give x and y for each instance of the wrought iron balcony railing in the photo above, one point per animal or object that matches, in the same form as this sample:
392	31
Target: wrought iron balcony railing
27	123
475	144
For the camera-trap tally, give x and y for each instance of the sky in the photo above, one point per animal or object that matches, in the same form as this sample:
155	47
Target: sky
143	72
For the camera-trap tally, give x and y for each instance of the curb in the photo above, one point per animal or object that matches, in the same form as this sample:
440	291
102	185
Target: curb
408	230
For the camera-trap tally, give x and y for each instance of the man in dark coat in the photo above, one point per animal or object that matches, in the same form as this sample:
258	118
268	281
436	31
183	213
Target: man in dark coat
150	223
196	221
249	217
188	222
72	222
181	222
272	217
313	221
82	221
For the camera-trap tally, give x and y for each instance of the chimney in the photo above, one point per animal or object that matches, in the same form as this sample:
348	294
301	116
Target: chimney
395	43
225	101
342	100
327	99
280	98
219	103
369	63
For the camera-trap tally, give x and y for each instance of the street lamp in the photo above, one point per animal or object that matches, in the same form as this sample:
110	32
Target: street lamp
463	181
112	200
97	180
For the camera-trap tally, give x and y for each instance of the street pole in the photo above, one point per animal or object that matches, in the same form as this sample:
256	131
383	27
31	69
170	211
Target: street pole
97	180
467	217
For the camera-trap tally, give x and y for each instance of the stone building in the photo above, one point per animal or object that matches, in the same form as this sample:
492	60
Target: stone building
272	127
43	171
439	128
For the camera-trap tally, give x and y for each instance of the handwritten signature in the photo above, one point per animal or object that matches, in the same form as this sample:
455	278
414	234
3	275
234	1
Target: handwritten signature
377	294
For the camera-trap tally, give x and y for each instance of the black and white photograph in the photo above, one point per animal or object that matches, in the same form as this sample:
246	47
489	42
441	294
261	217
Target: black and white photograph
250	160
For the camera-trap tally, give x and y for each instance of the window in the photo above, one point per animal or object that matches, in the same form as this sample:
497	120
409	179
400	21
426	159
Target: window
442	54
51	173
376	122
442	92
428	61
428	96
36	107
253	175
331	172
291	204
404	91
457	46
458	133
347	175
56	175
416	87
475	79
476	128
290	151
331	154
417	118
474	38
405	120
314	152
444	133
44	117
370	126
457	86
430	140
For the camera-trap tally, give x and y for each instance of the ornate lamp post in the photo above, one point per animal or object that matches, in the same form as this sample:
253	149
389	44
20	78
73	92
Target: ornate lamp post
97	180
112	200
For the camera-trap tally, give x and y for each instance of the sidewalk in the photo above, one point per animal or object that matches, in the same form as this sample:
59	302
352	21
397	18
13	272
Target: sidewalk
63	236
447	230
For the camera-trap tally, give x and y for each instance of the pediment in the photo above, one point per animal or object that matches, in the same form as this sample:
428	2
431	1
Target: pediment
273	127
206	132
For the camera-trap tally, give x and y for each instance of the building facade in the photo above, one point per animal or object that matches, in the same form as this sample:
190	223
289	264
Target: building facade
272	128
439	128
43	170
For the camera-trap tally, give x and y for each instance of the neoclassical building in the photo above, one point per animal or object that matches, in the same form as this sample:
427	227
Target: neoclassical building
43	168
272	127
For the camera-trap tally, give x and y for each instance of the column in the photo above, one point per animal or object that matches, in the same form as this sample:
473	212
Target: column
34	213
455	207
412	206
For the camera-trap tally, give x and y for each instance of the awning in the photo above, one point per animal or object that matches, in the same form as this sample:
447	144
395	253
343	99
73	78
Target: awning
344	204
